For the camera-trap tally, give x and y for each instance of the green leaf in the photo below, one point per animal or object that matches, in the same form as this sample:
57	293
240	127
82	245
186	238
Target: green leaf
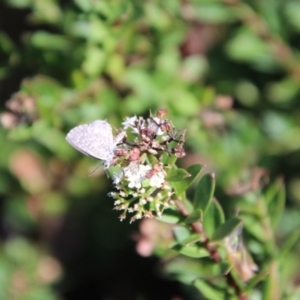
255	228
226	229
272	283
181	233
186	243
187	270
195	251
291	241
247	47
214	217
192	239
204	192
20	133
181	186
7	46
209	291
168	159
94	61
195	216
20	3
170	216
49	41
275	197
51	138
152	159
225	267
187	204
177	175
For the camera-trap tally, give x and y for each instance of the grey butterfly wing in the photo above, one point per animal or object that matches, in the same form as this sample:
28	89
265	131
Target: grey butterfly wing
94	139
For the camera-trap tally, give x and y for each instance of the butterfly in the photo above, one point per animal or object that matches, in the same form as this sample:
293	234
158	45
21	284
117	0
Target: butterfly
96	140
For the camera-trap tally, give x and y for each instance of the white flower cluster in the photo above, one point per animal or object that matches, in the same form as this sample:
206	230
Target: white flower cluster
136	174
141	186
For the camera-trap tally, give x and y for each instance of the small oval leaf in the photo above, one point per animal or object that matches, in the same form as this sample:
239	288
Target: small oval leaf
275	198
181	186
170	216
192	239
226	229
177	175
181	233
208	290
195	216
204	192
191	251
293	238
214	217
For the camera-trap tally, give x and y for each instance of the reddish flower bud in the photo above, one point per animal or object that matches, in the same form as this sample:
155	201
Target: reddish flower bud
120	152
179	151
166	126
150	174
162	113
134	154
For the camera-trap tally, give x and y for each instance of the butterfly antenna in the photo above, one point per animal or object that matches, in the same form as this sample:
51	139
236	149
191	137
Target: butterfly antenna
90	174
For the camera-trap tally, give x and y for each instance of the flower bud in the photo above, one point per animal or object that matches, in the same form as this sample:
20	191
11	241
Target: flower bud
162	113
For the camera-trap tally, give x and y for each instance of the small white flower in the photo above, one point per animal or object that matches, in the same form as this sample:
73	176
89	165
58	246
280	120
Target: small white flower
129	122
136	173
143	201
138	216
123	194
135	183
130	210
112	194
117	202
122	217
130	170
166	187
135	131
154	125
157	180
149	199
159	213
117	178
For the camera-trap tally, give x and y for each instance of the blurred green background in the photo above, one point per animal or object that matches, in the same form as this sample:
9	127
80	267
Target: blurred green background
227	71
